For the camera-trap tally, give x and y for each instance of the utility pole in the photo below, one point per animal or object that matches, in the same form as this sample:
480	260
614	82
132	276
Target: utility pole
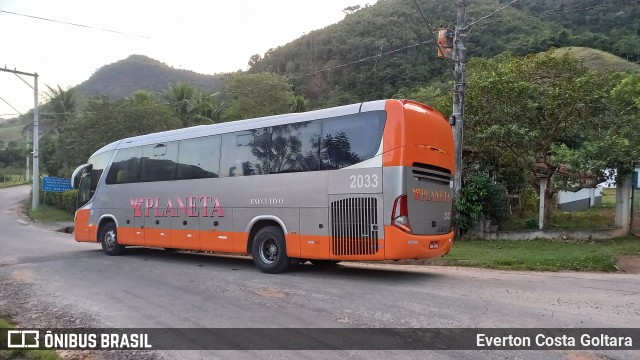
36	176
457	117
36	148
27	170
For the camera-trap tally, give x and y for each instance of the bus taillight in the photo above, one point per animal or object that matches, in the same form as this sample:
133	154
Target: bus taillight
400	214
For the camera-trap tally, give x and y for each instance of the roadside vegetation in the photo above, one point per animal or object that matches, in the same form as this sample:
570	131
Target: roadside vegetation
5	323
541	254
47	213
597	217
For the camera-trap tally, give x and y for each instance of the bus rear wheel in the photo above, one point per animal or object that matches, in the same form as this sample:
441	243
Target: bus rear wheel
269	250
109	240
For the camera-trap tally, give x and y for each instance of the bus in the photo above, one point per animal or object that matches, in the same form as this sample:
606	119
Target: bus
368	181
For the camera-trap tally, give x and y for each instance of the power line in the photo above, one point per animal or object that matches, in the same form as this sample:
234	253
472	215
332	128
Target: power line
6	102
74	24
492	13
435	38
602	6
519	28
284	81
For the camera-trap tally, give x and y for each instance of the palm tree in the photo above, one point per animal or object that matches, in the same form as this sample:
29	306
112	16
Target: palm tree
192	106
60	105
182	97
142	96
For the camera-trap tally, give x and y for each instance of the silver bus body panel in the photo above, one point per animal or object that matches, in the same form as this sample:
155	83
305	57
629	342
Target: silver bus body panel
373	105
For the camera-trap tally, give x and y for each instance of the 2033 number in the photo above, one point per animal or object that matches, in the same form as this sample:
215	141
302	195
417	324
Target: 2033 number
363	181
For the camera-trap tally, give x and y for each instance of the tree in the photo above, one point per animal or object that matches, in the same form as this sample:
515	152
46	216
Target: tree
529	114
616	146
255	95
254	60
351	9
193	107
60	106
300	104
142	96
102	122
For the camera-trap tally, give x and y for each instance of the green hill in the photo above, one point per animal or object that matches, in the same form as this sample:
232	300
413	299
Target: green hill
379	43
599	60
117	80
138	72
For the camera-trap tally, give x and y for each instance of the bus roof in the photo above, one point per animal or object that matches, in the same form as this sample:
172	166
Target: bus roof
240	125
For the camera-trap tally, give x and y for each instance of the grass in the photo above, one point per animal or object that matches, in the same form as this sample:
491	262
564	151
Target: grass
5	323
11	184
47	213
599	60
542	254
597	217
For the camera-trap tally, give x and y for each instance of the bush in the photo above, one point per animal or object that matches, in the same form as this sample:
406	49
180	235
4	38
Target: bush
62	200
480	195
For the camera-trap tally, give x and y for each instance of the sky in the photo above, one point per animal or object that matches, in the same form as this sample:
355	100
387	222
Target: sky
208	37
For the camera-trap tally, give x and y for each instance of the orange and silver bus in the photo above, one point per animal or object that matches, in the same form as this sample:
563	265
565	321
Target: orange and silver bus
369	181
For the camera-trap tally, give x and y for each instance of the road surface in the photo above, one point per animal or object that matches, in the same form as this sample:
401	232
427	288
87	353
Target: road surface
49	280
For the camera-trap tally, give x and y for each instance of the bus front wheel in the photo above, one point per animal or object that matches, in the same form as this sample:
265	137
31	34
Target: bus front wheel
109	240
269	250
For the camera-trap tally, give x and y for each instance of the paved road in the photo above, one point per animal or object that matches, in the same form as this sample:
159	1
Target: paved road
47	279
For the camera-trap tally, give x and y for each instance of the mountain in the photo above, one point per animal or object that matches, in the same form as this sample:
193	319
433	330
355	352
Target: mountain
138	72
390	52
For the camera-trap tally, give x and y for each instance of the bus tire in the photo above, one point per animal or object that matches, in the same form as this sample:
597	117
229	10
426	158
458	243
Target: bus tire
269	250
109	240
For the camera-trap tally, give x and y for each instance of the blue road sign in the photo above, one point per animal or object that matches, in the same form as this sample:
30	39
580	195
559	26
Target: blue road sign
55	184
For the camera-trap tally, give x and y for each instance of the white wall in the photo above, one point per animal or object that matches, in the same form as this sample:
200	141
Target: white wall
590	193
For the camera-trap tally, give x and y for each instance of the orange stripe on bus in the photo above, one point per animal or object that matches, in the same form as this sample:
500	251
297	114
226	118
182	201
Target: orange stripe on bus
83	232
396	245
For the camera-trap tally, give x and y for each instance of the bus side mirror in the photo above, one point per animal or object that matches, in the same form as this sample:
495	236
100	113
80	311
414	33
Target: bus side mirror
452	120
77	175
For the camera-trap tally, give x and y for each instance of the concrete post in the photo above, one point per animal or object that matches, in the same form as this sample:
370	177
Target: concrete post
623	203
543	188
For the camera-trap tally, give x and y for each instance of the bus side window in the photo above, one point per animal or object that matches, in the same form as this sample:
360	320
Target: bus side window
159	161
125	167
348	140
199	158
245	153
295	147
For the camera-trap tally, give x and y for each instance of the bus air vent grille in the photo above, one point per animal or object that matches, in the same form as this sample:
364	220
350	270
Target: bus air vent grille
354	229
426	172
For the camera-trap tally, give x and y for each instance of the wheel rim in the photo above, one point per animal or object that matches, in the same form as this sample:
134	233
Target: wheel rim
268	251
110	239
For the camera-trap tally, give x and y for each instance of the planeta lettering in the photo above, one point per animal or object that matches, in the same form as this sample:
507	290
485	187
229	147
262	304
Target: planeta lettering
423	194
191	206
